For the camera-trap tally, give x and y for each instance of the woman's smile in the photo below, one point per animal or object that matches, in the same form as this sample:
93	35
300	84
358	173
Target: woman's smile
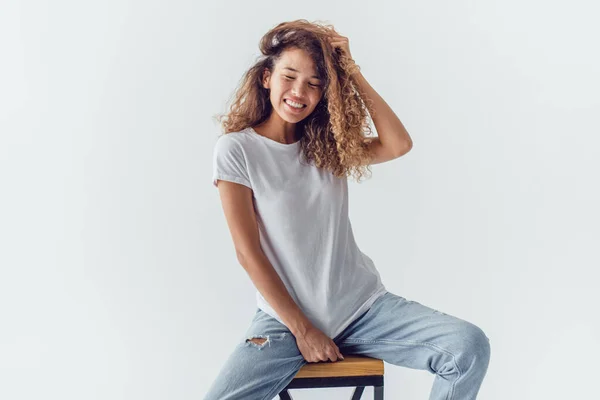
293	106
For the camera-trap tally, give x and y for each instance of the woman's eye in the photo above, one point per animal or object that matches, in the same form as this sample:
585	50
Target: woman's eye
292	78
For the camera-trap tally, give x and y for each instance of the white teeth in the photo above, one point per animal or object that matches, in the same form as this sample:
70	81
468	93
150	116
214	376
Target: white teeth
294	104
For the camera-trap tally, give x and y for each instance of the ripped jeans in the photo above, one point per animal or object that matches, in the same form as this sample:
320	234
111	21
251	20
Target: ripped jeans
396	330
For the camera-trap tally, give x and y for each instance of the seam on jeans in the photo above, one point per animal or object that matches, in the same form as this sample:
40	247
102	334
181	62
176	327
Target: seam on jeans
414	342
272	393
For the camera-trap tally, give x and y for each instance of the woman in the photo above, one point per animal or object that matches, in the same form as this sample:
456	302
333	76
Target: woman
293	134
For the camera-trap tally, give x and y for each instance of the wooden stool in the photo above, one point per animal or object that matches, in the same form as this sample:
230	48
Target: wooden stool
354	370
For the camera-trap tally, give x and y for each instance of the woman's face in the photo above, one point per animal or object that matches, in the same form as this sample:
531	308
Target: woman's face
294	79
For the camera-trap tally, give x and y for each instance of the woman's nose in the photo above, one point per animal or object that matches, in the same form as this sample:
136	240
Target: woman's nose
298	91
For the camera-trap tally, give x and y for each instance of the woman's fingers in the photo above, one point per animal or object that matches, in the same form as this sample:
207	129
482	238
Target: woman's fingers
338	354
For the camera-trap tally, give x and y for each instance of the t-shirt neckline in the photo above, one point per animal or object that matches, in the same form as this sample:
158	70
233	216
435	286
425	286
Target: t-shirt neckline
274	142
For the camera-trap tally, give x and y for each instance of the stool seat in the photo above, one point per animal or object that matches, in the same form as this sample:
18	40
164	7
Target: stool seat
351	365
354	370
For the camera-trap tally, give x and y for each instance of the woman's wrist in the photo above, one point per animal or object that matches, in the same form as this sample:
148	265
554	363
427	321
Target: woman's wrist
300	326
352	68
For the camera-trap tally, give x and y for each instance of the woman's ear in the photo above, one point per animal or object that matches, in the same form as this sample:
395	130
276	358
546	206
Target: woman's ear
266	78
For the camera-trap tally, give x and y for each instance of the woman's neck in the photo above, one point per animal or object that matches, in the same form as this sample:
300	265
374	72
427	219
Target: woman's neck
282	132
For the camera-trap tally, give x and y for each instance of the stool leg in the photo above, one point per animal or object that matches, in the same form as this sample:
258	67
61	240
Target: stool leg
358	393
284	395
378	392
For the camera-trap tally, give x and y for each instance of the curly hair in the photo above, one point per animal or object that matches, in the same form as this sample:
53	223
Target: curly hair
334	135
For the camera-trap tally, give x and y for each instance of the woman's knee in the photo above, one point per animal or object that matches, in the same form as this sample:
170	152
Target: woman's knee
476	343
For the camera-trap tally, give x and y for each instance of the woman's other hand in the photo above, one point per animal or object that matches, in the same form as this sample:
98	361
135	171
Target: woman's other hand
315	346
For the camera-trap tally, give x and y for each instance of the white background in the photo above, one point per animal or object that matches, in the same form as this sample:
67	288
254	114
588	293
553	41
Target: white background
118	274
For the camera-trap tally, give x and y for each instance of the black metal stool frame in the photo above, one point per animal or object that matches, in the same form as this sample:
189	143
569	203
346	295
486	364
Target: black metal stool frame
342	381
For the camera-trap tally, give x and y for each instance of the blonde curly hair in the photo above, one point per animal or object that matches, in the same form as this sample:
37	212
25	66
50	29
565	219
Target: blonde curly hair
335	134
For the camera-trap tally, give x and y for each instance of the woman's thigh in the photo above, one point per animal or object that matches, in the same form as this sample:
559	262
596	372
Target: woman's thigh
264	361
407	333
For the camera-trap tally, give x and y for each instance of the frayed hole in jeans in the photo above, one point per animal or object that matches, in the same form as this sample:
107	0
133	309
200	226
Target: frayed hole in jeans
258	341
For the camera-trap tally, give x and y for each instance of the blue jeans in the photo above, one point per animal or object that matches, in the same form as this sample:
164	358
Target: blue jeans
396	330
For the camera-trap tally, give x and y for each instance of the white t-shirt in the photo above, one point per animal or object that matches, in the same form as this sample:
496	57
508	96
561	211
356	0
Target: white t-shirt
304	229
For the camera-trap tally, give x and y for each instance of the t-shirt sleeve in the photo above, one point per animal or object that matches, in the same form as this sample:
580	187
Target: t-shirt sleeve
229	162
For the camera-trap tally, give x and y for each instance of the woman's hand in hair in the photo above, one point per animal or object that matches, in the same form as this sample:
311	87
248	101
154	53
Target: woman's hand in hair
342	43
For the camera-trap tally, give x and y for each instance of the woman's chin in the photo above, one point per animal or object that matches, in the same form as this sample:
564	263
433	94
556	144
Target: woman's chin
291	118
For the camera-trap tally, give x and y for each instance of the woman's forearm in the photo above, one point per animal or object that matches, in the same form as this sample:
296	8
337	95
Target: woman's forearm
390	129
271	287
